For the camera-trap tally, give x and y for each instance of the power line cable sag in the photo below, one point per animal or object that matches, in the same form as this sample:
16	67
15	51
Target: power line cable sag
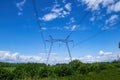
95	35
37	20
83	17
81	20
67	37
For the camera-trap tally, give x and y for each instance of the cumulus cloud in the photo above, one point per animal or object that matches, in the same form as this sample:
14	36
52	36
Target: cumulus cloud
107	2
92	4
110	22
96	15
112	19
68	6
88	59
114	7
57	12
49	16
74	27
102	53
72	20
7	56
102	57
95	4
111	5
20	5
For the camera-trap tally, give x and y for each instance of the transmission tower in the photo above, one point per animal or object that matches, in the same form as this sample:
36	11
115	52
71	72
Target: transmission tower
118	57
119	45
52	41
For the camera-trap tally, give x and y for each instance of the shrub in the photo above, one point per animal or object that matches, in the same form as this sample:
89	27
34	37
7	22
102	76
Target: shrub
5	74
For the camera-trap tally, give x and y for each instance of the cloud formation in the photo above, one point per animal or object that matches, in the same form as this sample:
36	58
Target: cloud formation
102	57
49	16
110	7
110	22
7	56
114	7
68	6
95	4
57	12
20	5
74	27
112	19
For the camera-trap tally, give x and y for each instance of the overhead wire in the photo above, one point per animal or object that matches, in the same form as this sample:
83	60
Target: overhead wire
95	35
38	22
81	20
83	17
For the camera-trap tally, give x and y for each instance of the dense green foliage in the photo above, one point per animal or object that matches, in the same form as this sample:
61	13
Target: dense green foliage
75	70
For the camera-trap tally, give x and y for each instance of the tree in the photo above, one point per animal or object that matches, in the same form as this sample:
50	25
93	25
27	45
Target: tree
75	64
5	74
63	70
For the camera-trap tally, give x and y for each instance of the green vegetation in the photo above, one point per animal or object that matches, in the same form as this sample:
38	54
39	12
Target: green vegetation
75	70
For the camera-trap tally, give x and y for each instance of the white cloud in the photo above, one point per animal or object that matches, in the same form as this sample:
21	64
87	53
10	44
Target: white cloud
95	16
74	27
114	7
92	4
107	2
57	12
20	5
43	28
112	19
92	19
68	6
72	19
71	28
102	57
109	23
6	56
108	5
49	16
95	4
88	59
102	53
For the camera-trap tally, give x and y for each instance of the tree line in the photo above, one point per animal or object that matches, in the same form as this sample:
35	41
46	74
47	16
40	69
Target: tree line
74	70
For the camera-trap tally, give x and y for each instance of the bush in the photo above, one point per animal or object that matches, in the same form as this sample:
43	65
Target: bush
63	70
5	74
26	70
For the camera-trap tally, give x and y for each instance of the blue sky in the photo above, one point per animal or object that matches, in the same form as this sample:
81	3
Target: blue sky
20	34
